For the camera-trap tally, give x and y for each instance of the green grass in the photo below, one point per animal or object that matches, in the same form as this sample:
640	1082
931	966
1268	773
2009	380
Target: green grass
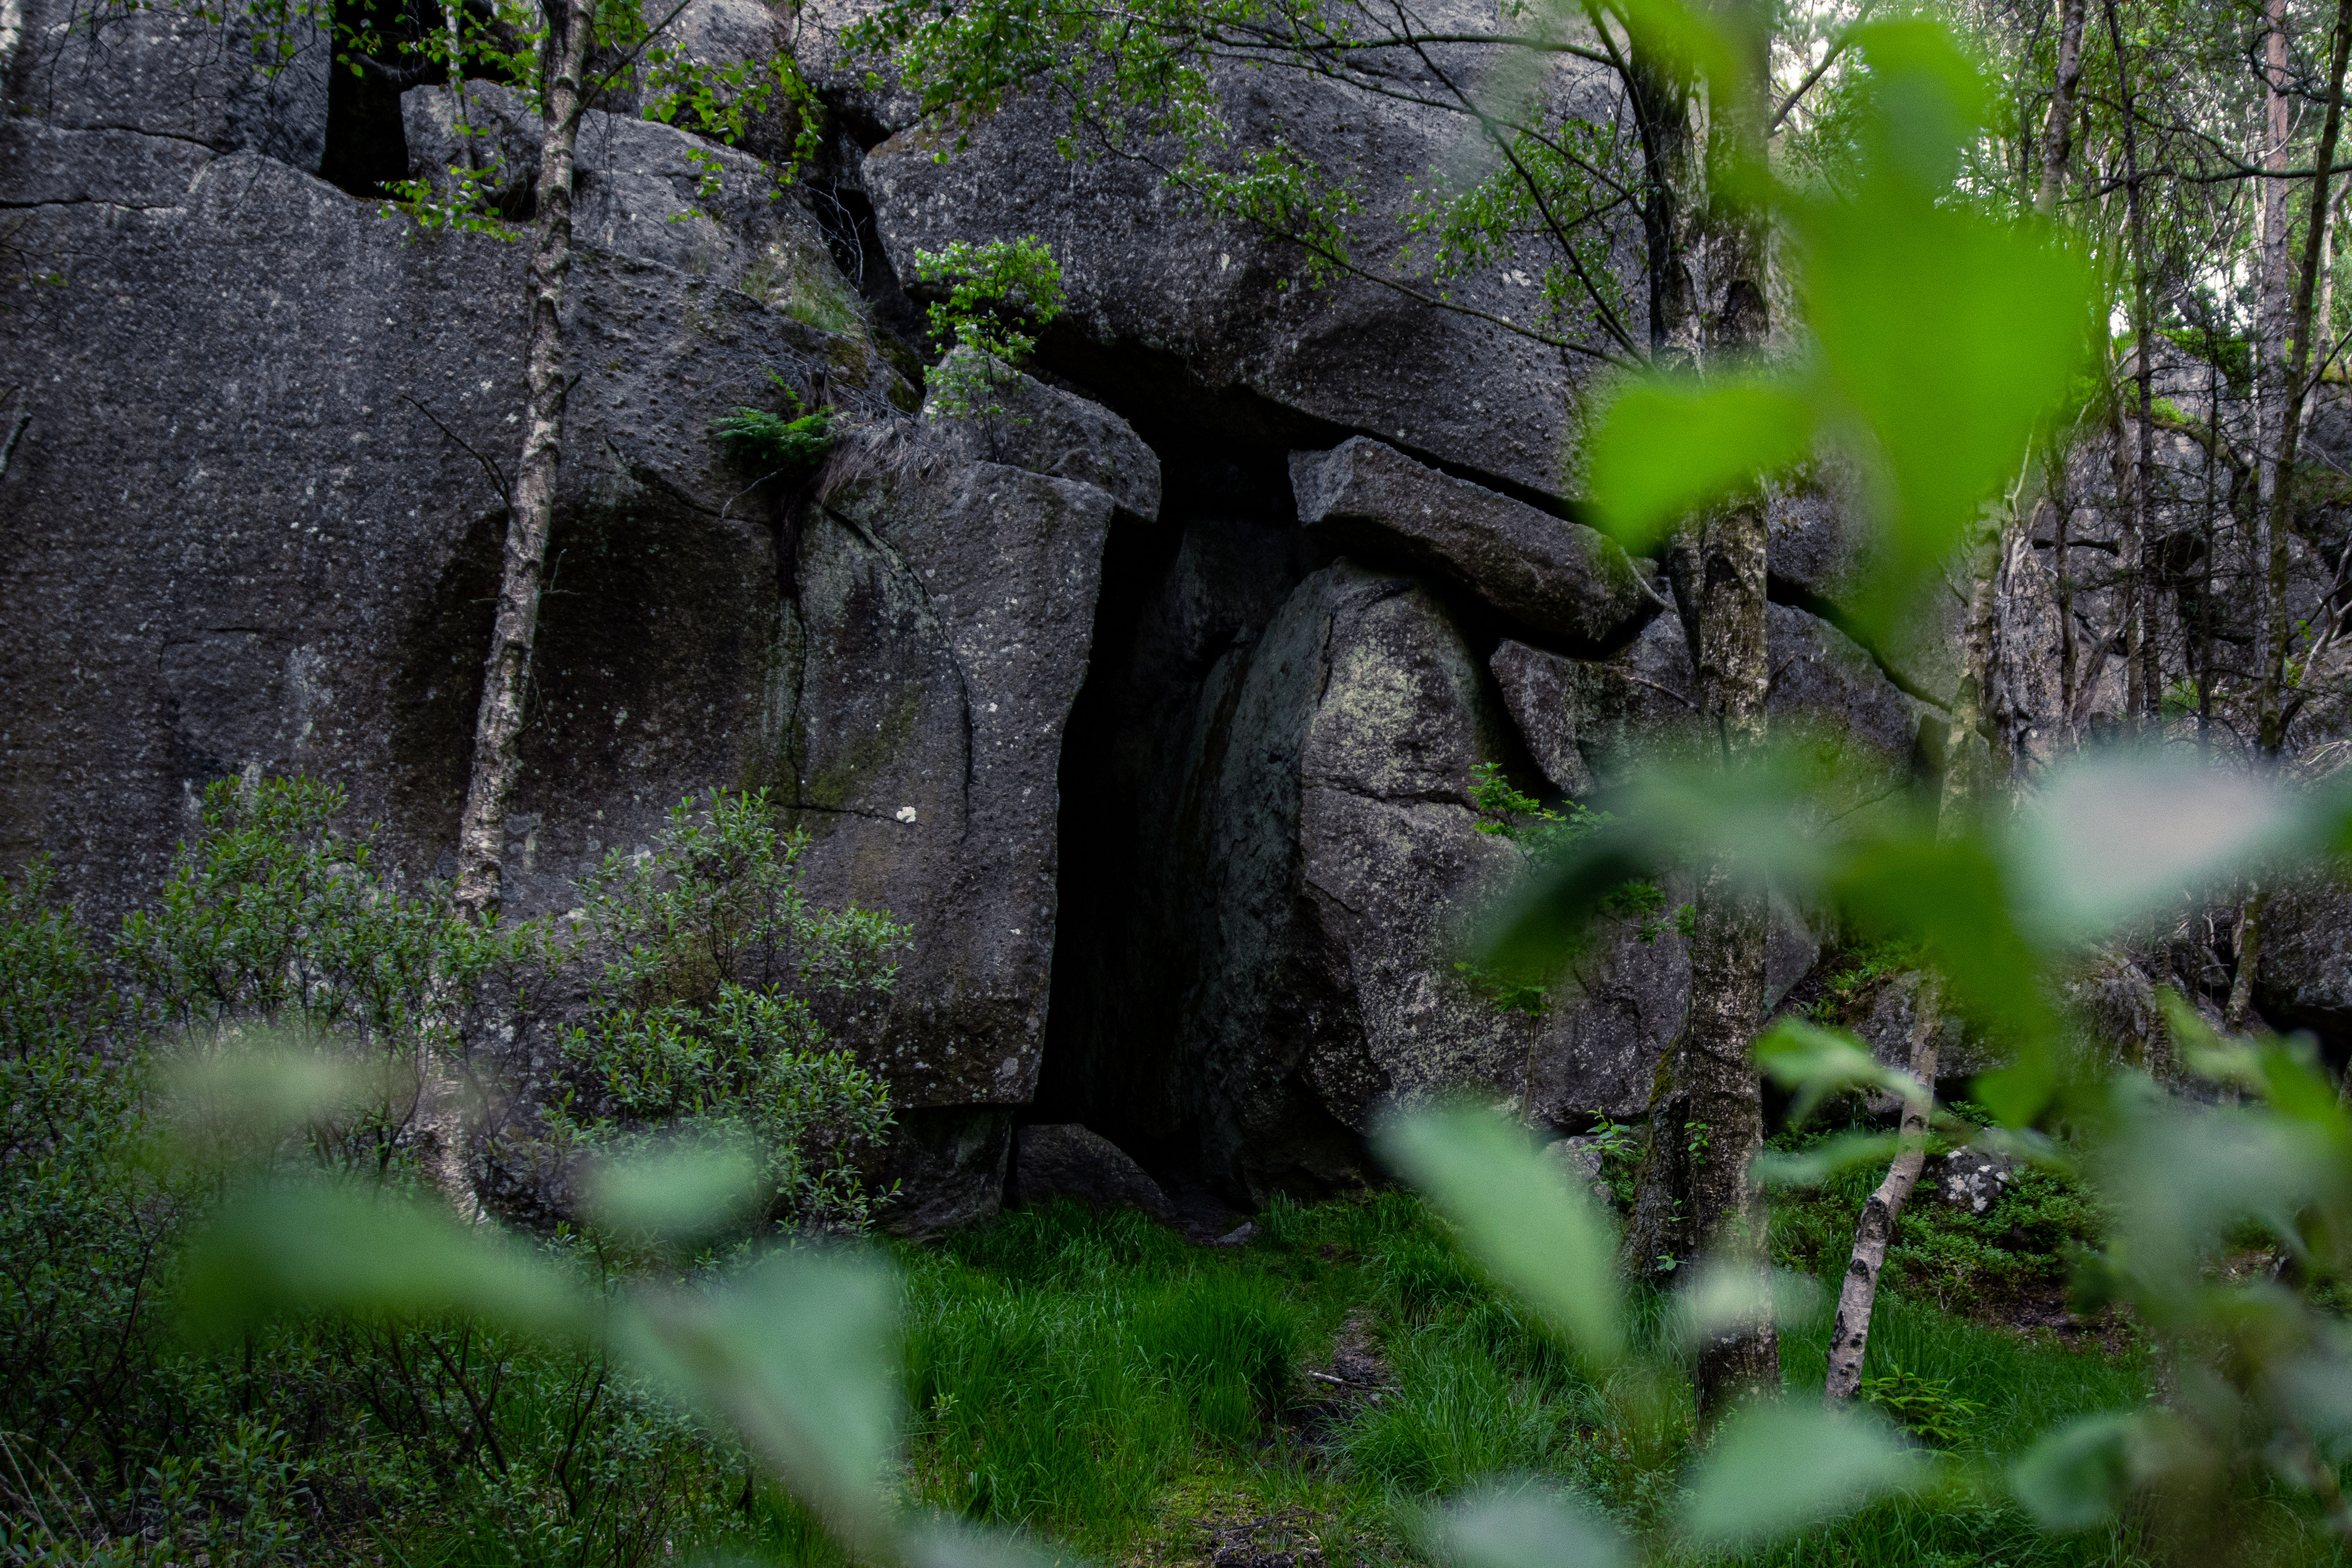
1121	1394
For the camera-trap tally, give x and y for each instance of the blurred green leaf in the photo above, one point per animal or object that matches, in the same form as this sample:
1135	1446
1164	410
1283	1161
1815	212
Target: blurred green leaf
1524	1526
1924	99
1776	1468
1950	336
683	1192
1817	1062
1811	1166
949	1543
797	1354
318	1246
1951	894
2077	1478
1520	1217
2182	1176
1665	447
1724	1296
2109	839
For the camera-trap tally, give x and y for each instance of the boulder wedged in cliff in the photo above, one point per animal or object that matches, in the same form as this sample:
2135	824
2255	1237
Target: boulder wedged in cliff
1069	1161
1146	270
1543	692
1327	815
942	614
1019	420
2303	978
1337	838
1562	579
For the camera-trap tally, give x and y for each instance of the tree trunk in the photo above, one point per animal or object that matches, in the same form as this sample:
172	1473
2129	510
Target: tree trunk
1726	1103
2147	665
1673	154
2250	958
2058	126
2271	307
2121	466
2273	678
1849	1333
506	673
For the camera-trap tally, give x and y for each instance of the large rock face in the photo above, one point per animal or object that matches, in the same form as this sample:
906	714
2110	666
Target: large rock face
1145	272
2305	979
255	525
1161	743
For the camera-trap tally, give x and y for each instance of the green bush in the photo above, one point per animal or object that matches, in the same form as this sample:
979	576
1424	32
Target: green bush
2022	1246
706	1019
123	1438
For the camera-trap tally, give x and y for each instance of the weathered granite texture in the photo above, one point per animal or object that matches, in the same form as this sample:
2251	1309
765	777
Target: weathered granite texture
1562	579
270	547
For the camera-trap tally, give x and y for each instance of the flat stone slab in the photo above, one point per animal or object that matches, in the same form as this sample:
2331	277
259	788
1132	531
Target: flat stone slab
1560	580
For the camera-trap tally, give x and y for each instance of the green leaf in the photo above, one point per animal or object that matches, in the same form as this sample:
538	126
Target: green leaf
1524	1526
1950	336
1776	1468
2077	1478
1817	1062
799	1356
682	1193
1520	1217
1666	448
1952	896
1727	1296
2112	838
947	1542
1811	1167
322	1247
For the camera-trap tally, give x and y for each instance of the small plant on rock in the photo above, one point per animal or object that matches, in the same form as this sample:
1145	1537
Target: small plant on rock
788	445
999	295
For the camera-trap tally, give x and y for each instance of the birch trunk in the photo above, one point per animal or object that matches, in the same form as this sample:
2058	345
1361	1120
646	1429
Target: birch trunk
2141	646
506	673
2058	126
1732	917
2297	379
1849	1332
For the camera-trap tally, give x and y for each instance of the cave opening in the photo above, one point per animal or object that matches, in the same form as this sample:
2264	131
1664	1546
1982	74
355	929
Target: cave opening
1179	595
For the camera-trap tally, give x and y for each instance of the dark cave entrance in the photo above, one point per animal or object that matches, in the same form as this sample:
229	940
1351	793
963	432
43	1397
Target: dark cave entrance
1177	596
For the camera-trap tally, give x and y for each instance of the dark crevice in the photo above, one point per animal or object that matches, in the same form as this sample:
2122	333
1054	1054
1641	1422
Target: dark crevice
366	146
1156	386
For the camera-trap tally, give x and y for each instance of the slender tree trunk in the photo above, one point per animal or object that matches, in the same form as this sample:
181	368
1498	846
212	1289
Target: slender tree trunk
2273	678
1733	912
2120	453
1673	157
1849	1332
506	673
2058	126
2250	958
2272	305
2149	662
2205	612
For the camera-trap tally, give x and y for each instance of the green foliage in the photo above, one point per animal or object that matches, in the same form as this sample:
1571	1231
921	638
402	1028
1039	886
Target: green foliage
998	296
1942	340
2019	1252
772	446
707	1022
1924	1407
